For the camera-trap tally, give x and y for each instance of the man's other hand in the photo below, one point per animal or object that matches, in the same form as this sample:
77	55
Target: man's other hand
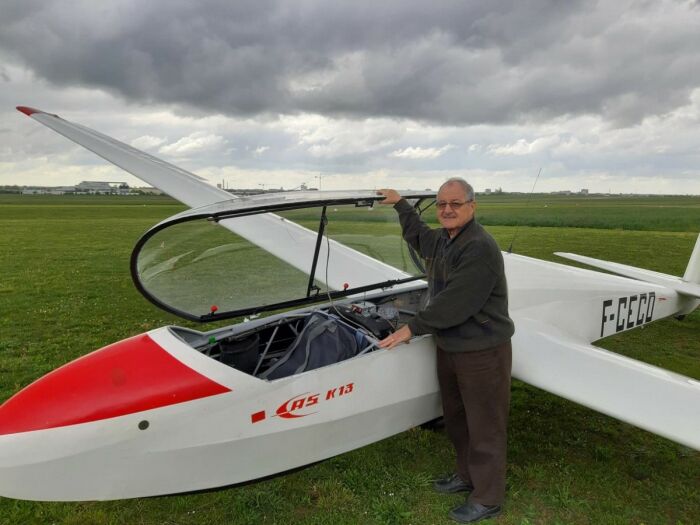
402	335
391	196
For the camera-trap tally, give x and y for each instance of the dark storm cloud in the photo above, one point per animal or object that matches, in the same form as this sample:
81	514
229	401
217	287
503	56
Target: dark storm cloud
446	62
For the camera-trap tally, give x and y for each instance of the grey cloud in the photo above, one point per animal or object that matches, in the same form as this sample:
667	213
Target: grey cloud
451	63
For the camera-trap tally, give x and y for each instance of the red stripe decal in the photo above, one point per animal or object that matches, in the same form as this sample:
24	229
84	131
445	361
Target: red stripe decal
123	378
258	416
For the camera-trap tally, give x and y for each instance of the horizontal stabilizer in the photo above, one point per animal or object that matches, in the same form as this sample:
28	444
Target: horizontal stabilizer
675	283
651	398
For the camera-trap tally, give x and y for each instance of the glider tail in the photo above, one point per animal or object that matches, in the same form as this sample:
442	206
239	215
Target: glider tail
692	272
688	286
692	275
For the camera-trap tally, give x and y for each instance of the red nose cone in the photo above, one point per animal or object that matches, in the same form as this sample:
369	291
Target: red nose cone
123	378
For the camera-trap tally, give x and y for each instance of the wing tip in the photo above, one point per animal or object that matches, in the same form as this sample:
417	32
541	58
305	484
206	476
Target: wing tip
30	111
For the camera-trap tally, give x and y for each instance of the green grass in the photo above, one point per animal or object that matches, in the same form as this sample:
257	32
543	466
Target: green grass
662	213
657	213
66	290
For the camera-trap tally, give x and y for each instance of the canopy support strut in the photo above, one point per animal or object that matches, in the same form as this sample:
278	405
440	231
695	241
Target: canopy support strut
321	228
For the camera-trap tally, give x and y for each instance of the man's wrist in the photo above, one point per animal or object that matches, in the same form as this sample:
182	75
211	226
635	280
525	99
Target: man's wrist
412	325
402	204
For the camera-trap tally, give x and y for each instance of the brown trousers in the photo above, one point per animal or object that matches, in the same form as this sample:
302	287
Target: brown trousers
475	389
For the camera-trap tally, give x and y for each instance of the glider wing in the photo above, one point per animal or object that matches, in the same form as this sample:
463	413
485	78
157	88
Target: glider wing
646	396
282	238
180	184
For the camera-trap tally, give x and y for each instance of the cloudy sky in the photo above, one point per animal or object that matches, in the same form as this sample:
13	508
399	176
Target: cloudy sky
359	94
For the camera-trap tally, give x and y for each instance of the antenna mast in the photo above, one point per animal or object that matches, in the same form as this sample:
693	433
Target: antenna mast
529	197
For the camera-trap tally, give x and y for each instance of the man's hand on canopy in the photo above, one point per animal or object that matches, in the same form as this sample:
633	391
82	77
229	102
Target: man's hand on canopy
392	196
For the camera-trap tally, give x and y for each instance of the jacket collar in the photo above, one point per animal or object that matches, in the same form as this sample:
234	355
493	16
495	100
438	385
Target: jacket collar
464	228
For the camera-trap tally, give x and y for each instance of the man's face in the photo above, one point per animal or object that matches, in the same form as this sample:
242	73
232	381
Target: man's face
456	216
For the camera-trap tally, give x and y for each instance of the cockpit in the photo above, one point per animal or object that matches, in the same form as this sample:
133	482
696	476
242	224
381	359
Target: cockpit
284	253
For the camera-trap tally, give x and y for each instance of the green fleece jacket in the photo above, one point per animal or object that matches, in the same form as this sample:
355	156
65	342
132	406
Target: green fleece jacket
468	306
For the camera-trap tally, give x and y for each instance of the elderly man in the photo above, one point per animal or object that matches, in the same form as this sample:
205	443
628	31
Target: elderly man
467	312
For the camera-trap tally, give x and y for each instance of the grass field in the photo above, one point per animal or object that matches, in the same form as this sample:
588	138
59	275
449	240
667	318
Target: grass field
66	290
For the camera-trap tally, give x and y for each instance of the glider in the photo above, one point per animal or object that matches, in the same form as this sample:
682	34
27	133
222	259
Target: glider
176	410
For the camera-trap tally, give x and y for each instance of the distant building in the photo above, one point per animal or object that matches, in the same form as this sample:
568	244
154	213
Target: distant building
60	190
33	191
487	191
584	191
147	190
92	187
43	190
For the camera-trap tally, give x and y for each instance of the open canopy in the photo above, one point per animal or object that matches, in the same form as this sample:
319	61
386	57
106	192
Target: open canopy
273	251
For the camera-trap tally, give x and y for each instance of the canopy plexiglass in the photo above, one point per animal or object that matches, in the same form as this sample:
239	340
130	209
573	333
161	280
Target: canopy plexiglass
271	252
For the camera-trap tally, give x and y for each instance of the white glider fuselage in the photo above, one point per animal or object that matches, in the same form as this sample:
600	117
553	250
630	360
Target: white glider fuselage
154	414
258	428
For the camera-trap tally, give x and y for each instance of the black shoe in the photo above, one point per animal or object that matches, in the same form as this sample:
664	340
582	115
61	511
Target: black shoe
473	512
452	484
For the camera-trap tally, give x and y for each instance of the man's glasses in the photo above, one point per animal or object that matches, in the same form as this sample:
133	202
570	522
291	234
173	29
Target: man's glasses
455	205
